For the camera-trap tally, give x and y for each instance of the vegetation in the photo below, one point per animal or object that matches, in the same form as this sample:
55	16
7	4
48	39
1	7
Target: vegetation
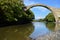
41	20
49	18
12	11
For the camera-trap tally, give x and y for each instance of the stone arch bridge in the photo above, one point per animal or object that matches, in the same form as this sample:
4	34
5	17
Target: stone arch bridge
55	11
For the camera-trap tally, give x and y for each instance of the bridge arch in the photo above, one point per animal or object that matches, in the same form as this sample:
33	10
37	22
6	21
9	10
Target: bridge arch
34	5
52	9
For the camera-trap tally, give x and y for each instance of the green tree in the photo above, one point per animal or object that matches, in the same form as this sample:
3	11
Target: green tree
50	18
12	11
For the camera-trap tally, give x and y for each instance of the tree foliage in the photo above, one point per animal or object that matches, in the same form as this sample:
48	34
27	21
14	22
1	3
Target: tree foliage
12	11
50	18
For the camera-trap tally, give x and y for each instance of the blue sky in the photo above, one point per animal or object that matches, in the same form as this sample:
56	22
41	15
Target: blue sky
41	12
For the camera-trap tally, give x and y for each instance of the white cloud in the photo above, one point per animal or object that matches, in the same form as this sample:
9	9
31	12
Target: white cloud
39	17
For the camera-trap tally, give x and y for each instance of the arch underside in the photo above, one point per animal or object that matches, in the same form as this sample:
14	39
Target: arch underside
55	11
34	5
